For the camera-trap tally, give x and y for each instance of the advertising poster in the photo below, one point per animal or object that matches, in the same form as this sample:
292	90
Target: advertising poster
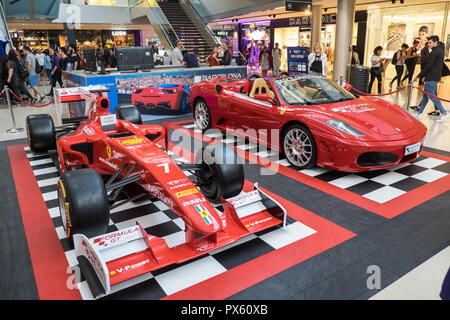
396	36
297	60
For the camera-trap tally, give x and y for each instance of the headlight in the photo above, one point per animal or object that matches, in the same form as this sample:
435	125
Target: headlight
344	127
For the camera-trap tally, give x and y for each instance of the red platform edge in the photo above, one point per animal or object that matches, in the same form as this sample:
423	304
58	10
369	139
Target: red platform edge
50	266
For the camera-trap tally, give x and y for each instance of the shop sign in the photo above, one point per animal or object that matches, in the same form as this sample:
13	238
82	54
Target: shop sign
118	33
306	21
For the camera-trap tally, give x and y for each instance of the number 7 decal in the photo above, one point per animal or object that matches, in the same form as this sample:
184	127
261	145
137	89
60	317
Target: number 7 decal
166	167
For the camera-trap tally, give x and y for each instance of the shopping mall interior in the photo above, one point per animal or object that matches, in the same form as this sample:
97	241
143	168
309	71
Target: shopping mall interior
110	111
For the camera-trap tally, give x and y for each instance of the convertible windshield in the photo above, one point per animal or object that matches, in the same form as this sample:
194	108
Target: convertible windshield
310	90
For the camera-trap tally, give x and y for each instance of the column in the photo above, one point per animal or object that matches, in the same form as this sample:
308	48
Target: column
344	32
70	30
70	34
316	24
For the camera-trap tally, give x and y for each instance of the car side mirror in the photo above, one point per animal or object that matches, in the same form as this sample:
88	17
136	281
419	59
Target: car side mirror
264	97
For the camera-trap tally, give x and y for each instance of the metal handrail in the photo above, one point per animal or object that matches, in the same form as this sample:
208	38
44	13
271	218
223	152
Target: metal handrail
163	22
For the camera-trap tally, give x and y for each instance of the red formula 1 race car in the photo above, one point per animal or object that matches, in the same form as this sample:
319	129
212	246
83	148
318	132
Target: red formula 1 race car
313	120
107	160
162	99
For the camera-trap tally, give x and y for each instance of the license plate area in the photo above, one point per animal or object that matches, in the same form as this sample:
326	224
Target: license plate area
412	148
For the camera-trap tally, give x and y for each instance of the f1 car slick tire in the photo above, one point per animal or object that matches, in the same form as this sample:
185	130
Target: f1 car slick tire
299	147
129	113
221	175
83	203
41	133
202	115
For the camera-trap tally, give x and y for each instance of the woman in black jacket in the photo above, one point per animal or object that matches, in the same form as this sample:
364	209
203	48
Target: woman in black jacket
15	80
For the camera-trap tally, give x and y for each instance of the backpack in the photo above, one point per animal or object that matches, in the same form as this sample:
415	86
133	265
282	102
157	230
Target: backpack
23	72
37	67
394	58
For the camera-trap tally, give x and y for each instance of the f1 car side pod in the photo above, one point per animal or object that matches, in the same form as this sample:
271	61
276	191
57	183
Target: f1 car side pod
113	258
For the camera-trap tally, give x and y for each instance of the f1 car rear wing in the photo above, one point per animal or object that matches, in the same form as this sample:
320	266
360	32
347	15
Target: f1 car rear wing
113	258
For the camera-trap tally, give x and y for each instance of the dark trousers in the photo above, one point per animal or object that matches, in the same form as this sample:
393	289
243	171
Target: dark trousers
56	78
18	87
375	73
410	68
398	77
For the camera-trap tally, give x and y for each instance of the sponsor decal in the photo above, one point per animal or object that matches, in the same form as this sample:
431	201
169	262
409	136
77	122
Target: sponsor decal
156	192
88	131
245	198
108	151
174	182
204	213
186	192
115	237
132	141
356	108
112	165
282	112
193	202
255	223
187	184
130	267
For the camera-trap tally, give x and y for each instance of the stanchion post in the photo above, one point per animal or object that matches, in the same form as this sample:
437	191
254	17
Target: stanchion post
14	129
408	100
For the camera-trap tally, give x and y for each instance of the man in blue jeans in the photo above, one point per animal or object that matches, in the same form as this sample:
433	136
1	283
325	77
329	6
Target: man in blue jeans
432	74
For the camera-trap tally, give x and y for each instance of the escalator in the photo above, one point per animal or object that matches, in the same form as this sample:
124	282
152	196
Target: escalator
176	21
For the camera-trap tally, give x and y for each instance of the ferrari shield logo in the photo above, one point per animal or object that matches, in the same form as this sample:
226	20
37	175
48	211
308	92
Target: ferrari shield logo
108	151
204	213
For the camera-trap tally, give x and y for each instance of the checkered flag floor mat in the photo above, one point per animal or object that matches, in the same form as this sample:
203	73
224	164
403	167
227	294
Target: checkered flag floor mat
379	186
160	221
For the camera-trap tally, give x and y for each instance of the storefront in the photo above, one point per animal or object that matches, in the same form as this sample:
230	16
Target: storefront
252	38
31	38
391	27
291	32
227	33
85	38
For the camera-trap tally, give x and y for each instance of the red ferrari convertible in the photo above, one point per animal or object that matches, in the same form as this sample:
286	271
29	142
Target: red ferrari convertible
312	120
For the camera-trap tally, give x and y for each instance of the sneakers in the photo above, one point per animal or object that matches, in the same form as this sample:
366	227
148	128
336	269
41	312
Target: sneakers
415	108
418	115
443	118
42	98
434	113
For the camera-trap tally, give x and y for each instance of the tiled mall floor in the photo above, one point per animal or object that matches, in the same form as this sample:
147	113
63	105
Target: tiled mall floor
425	281
421	283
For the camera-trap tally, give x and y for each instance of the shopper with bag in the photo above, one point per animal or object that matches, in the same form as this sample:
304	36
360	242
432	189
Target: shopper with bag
17	75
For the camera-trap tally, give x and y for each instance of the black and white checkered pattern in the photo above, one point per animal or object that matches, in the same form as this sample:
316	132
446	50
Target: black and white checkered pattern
160	221
380	185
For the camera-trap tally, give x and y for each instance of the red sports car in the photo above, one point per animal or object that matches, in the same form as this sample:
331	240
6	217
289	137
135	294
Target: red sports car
313	120
162	99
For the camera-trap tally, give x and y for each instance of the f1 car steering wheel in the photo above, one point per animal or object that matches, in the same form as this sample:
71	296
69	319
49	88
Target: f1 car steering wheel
253	75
